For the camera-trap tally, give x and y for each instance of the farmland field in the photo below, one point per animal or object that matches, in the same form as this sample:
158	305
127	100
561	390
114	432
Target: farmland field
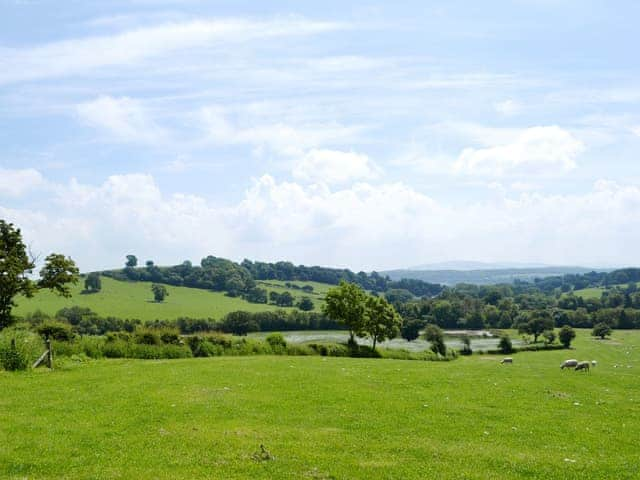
135	300
325	417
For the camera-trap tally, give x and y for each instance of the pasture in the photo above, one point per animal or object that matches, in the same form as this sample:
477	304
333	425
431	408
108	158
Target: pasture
325	417
135	300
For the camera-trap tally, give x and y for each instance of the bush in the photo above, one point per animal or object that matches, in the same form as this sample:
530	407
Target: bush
601	330
466	345
55	330
145	336
505	346
277	342
566	335
19	348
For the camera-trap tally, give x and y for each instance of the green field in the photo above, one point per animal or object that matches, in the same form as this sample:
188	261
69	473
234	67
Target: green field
594	292
135	300
325	417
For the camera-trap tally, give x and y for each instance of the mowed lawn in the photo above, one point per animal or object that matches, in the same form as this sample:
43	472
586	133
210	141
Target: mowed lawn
323	418
135	300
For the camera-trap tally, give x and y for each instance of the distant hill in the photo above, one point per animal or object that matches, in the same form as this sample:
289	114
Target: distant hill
485	276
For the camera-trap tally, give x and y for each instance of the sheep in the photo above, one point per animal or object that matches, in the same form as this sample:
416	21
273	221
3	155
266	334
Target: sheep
582	366
594	363
571	363
507	360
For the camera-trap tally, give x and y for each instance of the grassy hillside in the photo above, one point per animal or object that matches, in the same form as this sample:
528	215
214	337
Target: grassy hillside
326	417
135	300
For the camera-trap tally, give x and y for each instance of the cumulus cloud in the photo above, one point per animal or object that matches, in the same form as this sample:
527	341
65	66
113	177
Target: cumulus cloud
508	107
546	150
364	225
123	118
15	183
333	167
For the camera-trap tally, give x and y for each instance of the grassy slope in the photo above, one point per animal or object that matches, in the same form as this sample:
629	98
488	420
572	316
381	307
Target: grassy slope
134	300
328	418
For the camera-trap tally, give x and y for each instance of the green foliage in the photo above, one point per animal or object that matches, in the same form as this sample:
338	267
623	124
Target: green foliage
239	323
434	335
410	329
19	348
601	330
284	299
159	292
305	304
132	261
539	321
346	304
505	346
15	267
466	345
55	330
549	336
93	283
566	335
277	342
381	320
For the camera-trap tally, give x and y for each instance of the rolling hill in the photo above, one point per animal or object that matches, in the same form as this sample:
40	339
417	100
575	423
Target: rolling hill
135	300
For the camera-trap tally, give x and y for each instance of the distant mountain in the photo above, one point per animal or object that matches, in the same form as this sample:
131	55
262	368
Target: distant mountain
485	276
472	265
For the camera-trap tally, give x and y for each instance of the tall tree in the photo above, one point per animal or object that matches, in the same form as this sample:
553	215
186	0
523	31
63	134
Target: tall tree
381	320
16	265
132	261
346	304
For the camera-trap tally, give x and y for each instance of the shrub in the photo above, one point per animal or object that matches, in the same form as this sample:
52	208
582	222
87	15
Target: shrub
566	335
145	336
433	334
55	330
505	346
601	330
466	345
277	342
19	348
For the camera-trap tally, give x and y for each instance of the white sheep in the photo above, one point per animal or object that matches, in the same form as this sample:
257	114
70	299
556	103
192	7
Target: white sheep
583	366
571	363
507	360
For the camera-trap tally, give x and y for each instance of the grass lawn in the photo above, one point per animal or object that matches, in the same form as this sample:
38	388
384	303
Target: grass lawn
135	300
324	418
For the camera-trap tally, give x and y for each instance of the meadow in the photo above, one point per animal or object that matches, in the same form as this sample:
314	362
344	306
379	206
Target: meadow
326	417
135	300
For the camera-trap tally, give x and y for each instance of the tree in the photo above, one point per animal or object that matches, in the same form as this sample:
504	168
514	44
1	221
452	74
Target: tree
537	324
346	304
381	320
93	283
132	261
159	292
566	335
434	335
601	330
549	336
410	329
15	267
505	345
305	304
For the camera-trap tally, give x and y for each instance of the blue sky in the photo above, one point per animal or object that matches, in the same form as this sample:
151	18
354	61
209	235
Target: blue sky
360	134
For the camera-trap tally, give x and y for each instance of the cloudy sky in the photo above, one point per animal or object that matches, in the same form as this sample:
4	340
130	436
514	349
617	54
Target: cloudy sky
361	134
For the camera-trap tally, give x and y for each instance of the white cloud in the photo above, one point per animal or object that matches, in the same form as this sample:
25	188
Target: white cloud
636	130
363	226
546	150
280	137
78	56
15	183
508	107
124	118
333	167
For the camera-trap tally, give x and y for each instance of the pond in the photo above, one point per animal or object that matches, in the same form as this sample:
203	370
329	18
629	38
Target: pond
452	339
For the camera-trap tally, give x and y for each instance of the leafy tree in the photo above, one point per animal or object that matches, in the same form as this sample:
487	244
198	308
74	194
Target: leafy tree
159	292
239	323
505	345
466	345
381	320
434	335
537	324
601	330
55	330
305	304
132	261
566	335
346	304
93	283
410	329
15	267
549	336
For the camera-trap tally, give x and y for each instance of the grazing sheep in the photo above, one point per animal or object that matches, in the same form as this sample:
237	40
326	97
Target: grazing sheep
507	360
583	366
594	363
571	363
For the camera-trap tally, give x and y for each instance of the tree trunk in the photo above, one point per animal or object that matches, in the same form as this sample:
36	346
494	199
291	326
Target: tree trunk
375	338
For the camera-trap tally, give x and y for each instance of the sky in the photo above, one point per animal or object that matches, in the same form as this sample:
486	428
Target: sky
361	134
